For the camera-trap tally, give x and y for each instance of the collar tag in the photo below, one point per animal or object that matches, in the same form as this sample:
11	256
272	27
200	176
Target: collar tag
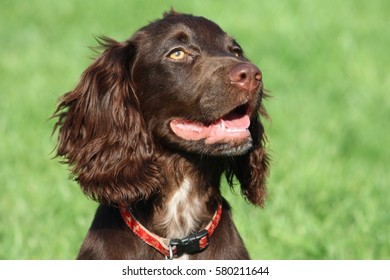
191	244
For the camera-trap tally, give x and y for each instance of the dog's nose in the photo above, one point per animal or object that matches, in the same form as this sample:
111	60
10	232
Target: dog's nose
246	76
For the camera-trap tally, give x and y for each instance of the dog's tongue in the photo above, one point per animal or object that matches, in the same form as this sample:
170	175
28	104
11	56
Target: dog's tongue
231	127
237	121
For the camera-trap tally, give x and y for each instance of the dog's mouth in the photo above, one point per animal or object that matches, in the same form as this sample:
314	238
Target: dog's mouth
233	126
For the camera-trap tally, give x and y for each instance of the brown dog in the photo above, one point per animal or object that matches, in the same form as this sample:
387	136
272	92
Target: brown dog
150	129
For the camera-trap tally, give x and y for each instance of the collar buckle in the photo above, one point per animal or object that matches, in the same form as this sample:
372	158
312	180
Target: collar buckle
191	244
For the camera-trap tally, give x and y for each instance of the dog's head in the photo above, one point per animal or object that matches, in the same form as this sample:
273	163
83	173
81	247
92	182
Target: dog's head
180	83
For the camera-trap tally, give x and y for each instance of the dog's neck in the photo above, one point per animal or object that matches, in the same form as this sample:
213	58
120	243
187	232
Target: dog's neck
188	201
183	211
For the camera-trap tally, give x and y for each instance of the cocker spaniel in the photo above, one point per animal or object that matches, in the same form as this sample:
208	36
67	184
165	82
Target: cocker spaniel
150	129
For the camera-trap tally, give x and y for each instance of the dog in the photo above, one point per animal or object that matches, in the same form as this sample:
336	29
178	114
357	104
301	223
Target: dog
150	129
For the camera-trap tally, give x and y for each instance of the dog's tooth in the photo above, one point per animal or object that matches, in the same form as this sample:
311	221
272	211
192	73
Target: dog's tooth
235	129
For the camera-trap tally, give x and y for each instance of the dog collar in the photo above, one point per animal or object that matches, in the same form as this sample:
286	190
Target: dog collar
171	248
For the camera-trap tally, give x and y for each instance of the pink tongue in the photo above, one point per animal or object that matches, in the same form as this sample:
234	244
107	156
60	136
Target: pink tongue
236	121
233	126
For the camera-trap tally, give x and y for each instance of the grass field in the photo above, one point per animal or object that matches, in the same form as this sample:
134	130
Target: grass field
327	66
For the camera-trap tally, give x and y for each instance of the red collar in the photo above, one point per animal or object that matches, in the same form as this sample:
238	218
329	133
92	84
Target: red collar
172	247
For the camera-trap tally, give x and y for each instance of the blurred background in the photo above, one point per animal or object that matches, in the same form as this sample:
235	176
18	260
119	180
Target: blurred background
326	65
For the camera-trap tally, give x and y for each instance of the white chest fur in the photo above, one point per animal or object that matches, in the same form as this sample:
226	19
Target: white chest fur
182	213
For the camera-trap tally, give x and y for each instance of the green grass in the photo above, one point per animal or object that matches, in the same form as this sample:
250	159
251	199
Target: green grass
327	66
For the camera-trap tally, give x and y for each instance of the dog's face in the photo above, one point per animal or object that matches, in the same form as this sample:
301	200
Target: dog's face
179	84
197	91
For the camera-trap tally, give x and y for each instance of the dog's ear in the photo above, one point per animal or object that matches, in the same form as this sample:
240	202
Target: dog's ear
102	134
251	169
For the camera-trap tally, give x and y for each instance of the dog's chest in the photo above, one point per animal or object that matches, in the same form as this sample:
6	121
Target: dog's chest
183	211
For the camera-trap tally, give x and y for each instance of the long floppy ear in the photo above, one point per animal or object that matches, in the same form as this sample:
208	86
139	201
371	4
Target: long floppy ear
102	134
251	169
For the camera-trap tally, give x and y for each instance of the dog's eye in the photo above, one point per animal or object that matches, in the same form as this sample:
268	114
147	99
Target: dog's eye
237	52
177	54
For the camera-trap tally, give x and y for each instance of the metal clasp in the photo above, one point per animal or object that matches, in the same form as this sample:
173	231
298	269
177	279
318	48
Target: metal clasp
171	255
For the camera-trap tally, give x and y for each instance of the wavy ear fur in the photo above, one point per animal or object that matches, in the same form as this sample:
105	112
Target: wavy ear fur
102	134
251	169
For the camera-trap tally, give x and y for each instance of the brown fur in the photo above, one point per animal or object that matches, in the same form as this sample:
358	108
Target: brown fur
114	133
